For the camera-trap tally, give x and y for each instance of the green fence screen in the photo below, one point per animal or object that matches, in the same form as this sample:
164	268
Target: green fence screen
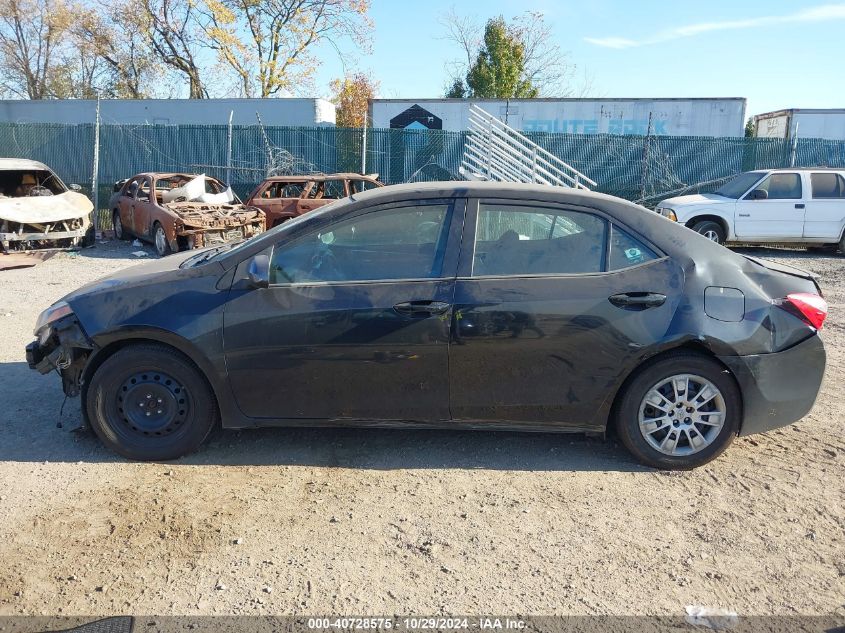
640	168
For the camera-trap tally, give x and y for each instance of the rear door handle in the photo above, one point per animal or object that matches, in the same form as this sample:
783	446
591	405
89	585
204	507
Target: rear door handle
799	205
421	308
637	300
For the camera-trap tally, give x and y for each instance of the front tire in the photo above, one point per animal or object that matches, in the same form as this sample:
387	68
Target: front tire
713	231
160	240
149	402
679	412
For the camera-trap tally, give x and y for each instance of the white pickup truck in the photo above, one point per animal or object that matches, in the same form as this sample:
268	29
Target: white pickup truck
804	205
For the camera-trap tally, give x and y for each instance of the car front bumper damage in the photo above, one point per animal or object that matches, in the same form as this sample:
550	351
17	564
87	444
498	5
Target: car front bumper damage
63	347
778	388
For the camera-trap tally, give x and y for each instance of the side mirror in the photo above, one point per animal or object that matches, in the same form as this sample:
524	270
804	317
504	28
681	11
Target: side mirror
74	187
758	194
259	271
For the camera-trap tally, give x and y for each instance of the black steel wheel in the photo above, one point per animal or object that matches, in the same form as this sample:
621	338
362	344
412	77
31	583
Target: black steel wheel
150	402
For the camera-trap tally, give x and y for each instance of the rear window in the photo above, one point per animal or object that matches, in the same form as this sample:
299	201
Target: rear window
626	250
827	185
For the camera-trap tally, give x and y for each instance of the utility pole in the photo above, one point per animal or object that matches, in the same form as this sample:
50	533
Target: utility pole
364	145
794	146
95	194
229	151
646	144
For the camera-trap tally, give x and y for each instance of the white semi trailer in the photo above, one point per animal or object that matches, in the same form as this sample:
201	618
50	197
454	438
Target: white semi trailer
803	122
675	117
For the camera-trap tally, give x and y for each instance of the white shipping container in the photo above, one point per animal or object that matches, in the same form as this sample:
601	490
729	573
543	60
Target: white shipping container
806	123
676	117
281	111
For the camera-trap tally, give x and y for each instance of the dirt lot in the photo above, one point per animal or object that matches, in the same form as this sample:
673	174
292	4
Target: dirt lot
397	522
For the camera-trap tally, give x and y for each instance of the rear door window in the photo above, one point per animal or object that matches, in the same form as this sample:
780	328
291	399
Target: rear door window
527	240
827	185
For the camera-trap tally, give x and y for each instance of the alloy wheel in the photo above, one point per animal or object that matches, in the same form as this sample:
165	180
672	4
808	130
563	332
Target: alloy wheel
682	414
161	241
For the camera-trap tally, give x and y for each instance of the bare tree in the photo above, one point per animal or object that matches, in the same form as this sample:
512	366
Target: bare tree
269	44
172	31
121	61
32	45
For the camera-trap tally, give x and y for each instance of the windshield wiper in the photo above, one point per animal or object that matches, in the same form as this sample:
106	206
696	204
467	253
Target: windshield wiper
200	258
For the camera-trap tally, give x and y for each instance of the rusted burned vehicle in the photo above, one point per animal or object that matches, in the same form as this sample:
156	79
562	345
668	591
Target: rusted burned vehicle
37	210
285	197
178	212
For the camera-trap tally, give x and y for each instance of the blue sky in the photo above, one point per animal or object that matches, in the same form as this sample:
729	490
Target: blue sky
776	53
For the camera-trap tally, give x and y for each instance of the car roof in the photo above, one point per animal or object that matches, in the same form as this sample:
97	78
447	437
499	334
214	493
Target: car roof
8	164
800	169
486	189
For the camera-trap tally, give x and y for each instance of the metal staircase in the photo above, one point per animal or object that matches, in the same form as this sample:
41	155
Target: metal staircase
496	151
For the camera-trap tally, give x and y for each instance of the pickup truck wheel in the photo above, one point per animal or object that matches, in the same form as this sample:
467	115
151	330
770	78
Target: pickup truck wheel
842	244
160	240
713	231
149	402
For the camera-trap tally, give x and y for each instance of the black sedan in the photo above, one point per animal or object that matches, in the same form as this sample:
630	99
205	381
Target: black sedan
448	305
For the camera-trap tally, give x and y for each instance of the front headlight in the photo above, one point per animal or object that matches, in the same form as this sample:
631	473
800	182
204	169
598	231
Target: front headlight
57	311
666	212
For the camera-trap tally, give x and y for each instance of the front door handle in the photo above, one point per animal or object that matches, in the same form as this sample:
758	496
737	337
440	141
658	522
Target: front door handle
799	205
637	300
421	308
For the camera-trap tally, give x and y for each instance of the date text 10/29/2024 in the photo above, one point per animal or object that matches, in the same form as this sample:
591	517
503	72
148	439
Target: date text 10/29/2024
416	623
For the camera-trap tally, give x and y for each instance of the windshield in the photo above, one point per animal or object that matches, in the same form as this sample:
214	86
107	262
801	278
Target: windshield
739	185
213	253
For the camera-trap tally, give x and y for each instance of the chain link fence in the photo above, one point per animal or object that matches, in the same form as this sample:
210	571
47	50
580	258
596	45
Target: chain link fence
645	169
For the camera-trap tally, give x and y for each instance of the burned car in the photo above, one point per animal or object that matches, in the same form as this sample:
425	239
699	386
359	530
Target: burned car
37	210
178	212
285	197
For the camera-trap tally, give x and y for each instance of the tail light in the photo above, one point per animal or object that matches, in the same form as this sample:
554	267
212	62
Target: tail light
807	306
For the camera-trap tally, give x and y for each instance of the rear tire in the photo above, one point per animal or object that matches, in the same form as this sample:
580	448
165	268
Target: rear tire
149	402
119	231
671	432
713	231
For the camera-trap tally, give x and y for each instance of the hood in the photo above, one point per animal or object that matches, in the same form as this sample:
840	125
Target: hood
44	209
144	273
696	198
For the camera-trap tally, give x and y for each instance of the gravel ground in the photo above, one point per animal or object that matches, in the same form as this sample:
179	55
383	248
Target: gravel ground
380	522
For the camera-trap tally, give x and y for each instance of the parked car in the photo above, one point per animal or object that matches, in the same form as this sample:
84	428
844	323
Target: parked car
285	197
774	205
450	305
37	210
178	212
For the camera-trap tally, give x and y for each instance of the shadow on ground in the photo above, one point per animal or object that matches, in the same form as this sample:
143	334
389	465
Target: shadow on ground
29	433
117	249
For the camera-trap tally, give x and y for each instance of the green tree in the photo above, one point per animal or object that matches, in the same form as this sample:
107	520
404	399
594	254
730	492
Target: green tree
498	71
750	131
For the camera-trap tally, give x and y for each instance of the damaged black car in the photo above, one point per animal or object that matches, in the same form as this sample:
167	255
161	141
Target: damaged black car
447	305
